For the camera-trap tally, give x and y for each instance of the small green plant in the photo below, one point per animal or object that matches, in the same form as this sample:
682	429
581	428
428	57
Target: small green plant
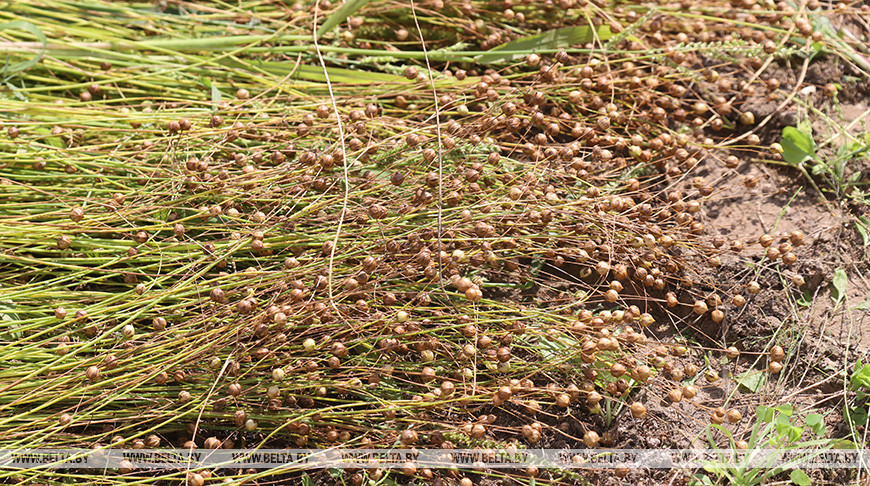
857	410
800	150
776	428
840	282
862	224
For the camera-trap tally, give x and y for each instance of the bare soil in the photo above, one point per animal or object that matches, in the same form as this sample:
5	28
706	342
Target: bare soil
827	338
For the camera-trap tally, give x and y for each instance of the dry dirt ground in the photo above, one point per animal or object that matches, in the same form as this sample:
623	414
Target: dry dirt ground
824	339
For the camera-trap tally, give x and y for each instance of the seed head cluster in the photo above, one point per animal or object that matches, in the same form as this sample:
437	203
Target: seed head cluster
503	273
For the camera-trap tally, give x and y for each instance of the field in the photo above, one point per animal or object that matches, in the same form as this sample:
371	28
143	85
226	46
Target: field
434	224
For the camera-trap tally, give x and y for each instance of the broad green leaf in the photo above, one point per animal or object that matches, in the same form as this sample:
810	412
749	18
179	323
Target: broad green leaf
861	377
785	429
337	17
800	478
32	29
764	413
700	479
805	126
813	418
798	146
857	416
215	94
549	40
786	408
816	421
557	348
840	281
54	141
751	381
843	444
306	480
806	299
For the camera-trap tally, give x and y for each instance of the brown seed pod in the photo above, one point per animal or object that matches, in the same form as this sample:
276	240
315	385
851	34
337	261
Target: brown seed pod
593	398
240	417
409	437
77	214
638	410
92	373
772	254
217	295
641	373
689	392
161	378
711	376
796	237
777	354
591	438
152	441
339	350
617	370
473	294
64	242
733	416
732	352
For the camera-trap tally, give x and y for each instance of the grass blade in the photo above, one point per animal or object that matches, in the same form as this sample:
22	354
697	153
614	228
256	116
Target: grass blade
339	15
32	29
545	41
